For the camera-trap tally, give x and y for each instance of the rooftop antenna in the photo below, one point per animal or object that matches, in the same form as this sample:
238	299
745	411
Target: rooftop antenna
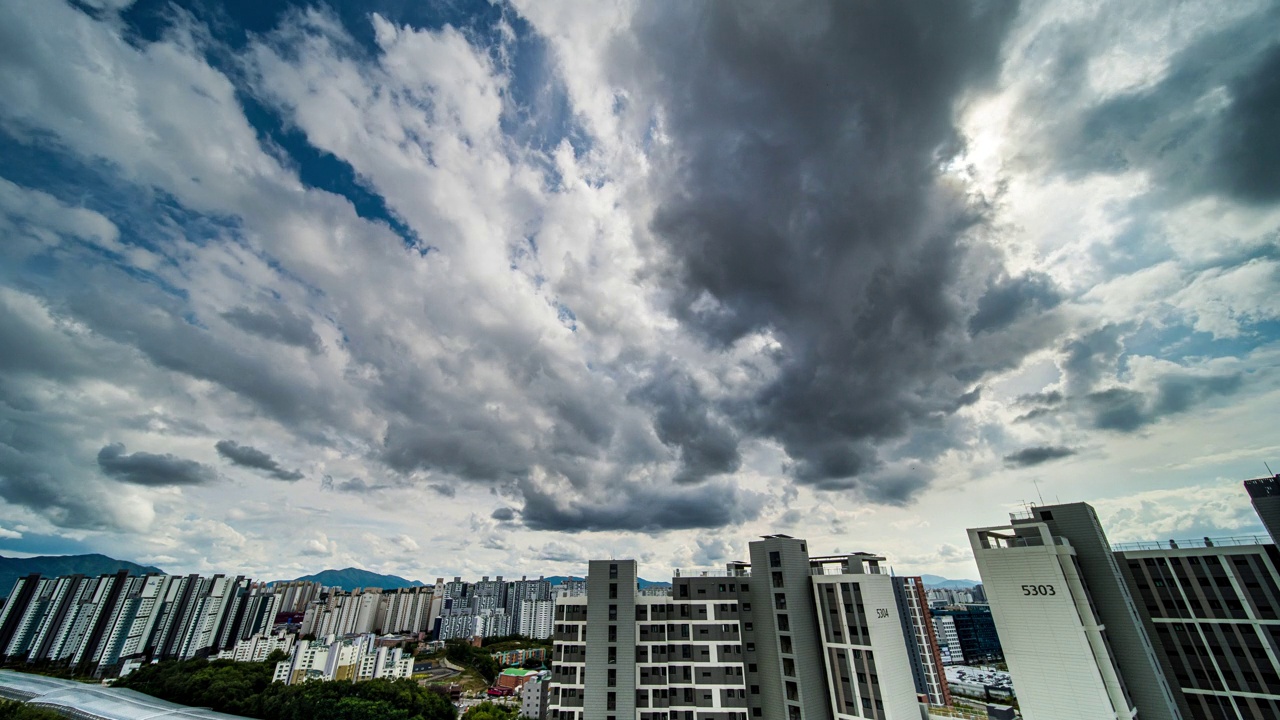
1037	484
1268	467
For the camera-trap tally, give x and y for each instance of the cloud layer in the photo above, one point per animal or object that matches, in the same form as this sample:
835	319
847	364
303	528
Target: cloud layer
650	277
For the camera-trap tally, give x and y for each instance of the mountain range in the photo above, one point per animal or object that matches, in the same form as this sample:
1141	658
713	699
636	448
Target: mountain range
54	565
351	578
937	581
640	582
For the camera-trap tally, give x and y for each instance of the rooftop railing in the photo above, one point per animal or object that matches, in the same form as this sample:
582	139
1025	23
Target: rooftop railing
1205	542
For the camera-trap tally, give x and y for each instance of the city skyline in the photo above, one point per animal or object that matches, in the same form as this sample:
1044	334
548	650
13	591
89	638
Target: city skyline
465	289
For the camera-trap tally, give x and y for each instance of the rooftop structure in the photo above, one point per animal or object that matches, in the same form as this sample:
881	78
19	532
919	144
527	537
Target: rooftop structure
95	702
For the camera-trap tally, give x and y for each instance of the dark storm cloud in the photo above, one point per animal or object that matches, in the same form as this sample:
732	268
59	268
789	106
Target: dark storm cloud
803	199
443	490
636	508
684	419
1127	410
503	515
1249	150
281	324
250	457
355	485
1012	298
1178	129
1088	358
1031	456
143	468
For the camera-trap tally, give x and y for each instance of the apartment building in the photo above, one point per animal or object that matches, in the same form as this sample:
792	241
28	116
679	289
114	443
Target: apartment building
917	627
1196	619
1052	583
1211	608
784	636
868	668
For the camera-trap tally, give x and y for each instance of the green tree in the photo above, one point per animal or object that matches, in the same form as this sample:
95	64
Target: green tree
489	711
247	689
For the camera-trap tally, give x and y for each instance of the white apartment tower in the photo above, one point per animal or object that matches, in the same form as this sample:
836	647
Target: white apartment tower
1071	652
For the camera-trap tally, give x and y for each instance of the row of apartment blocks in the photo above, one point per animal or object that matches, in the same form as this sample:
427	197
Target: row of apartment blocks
98	623
494	608
1175	630
787	636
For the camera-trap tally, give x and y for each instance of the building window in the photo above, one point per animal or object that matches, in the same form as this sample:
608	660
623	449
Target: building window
780	601
785	642
613	591
775	559
613	572
613	656
613	633
777	579
613	678
783	623
613	612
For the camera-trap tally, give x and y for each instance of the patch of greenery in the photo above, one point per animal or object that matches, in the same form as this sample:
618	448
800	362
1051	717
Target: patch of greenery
12	710
246	689
476	658
490	711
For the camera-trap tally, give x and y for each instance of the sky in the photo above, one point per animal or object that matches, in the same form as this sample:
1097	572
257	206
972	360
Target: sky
461	288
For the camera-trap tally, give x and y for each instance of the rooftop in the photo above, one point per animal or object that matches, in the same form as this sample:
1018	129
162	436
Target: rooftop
96	702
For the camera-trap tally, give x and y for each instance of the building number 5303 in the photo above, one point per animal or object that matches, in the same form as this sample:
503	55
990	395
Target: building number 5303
1038	590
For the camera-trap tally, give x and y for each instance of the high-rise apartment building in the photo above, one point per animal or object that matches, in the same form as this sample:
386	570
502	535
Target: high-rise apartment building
786	636
1172	629
1070	630
1211	607
864	646
917	627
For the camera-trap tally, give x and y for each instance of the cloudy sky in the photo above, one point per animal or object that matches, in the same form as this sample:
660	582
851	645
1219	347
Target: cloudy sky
469	288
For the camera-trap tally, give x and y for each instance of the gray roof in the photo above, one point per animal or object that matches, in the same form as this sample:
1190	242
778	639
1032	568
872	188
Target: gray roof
96	702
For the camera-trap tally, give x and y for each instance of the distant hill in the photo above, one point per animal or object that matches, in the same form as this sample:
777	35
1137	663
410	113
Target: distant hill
351	578
936	581
54	565
640	582
560	579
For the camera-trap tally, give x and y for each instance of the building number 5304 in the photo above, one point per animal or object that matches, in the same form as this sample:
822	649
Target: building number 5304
1038	590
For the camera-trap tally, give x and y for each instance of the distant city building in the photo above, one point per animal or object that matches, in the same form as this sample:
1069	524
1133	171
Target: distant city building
256	648
534	695
350	659
971	633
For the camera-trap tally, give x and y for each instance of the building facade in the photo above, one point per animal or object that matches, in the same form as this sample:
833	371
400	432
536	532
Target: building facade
1212	611
785	636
